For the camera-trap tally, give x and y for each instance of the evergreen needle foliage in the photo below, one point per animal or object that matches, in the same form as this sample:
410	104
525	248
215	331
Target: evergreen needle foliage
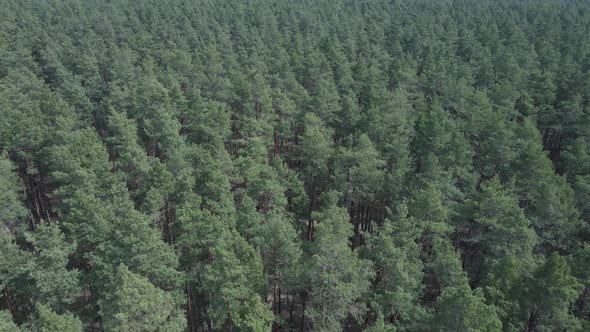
280	165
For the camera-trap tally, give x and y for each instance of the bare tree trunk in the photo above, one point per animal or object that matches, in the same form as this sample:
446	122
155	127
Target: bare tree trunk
303	311
291	309
189	309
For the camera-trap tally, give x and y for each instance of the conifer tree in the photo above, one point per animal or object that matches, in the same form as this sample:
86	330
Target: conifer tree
338	277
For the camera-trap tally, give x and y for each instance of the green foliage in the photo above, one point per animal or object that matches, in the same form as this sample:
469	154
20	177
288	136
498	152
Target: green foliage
579	265
335	287
315	147
460	309
498	213
546	196
233	278
380	326
40	276
55	285
276	240
498	229
241	160
397	284
134	304
361	168
11	209
446	265
12	263
6	323
45	320
428	208
553	289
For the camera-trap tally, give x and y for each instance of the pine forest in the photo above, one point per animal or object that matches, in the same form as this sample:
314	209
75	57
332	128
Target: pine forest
294	165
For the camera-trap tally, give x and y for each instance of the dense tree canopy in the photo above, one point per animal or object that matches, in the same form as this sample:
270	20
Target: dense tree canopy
274	165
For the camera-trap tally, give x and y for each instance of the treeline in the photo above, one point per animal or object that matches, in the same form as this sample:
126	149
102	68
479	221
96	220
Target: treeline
218	165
